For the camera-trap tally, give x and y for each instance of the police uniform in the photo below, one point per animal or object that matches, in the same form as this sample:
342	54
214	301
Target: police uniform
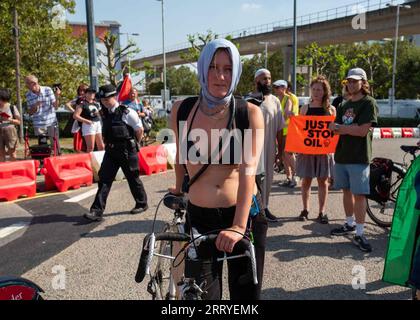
121	151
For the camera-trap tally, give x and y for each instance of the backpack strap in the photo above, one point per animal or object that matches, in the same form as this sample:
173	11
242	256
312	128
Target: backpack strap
184	110
241	116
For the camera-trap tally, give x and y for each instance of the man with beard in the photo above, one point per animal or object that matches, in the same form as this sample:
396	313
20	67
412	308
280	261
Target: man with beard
274	123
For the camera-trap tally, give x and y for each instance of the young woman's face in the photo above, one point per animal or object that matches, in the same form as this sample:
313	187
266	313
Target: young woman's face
90	95
317	92
354	86
220	75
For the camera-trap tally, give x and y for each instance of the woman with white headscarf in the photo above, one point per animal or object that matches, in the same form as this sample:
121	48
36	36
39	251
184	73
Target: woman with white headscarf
221	197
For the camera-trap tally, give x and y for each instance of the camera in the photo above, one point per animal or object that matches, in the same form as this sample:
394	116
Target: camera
57	86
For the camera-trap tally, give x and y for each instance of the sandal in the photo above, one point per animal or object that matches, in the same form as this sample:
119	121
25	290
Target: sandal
303	215
323	218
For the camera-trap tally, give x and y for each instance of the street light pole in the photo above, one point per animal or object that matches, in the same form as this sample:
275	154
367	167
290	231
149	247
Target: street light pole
93	69
394	64
266	43
164	56
294	47
17	58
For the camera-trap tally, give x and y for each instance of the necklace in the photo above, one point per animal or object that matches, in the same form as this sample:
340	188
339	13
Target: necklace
219	114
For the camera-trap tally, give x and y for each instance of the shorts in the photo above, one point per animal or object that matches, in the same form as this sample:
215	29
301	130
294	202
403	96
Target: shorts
92	129
352	176
8	138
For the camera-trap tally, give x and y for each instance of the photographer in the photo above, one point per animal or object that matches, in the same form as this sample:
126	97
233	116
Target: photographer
42	103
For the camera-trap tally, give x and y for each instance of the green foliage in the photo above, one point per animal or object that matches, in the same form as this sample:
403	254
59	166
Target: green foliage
198	41
52	54
182	81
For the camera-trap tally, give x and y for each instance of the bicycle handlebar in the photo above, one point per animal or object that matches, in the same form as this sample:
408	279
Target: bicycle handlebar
143	269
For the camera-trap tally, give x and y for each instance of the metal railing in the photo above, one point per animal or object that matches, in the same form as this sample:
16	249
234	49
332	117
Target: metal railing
321	16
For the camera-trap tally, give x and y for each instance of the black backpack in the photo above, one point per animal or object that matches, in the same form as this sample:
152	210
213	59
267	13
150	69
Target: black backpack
380	179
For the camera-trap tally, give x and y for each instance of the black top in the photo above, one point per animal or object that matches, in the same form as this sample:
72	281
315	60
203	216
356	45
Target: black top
316	111
228	157
90	111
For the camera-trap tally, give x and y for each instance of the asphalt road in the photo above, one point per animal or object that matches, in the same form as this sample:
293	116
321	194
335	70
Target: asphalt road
70	259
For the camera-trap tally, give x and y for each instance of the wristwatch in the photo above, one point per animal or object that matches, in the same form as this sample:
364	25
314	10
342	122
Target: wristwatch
336	127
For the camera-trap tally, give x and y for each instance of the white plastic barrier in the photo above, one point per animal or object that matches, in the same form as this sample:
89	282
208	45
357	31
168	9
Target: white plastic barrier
97	158
376	133
396	132
170	149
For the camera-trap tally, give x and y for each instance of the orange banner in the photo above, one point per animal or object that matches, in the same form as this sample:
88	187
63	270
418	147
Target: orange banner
310	135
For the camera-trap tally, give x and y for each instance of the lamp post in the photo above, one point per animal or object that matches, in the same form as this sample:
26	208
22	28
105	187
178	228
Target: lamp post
394	64
164	55
128	42
17	59
93	67
266	43
294	47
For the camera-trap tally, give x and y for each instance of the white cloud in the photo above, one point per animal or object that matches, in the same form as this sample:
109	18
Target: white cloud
250	6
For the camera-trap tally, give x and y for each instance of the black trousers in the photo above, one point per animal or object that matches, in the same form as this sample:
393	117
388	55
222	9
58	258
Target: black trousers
241	285
115	159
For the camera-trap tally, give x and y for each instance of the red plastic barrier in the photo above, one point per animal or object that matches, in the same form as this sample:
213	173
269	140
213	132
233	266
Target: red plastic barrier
18	179
68	172
408	132
386	133
152	159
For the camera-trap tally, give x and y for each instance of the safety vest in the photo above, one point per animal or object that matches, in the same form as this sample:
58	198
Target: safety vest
295	110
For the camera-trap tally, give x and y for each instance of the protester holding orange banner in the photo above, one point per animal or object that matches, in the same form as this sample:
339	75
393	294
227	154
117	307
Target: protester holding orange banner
316	144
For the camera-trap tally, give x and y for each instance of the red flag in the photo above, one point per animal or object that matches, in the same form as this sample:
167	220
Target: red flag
126	87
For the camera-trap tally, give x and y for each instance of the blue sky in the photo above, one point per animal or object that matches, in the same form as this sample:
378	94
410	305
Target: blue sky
184	17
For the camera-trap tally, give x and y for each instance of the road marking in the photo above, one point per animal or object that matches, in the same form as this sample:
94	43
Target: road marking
4	232
82	196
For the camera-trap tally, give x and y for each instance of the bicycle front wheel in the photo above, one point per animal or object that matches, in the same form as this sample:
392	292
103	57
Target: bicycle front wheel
382	212
162	285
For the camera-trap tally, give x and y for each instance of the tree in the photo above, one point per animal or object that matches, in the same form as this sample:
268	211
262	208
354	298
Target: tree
198	41
183	81
114	55
408	72
48	51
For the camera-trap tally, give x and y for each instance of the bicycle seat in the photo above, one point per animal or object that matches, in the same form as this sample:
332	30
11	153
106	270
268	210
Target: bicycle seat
410	149
175	202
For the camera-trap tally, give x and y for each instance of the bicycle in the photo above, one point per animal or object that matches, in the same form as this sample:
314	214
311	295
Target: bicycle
381	212
162	284
19	289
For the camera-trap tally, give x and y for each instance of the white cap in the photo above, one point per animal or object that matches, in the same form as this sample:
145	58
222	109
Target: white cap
280	83
260	72
357	74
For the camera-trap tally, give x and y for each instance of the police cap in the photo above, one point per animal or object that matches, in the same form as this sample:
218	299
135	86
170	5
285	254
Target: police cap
107	91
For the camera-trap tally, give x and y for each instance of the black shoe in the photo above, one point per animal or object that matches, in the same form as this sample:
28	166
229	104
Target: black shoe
270	217
322	218
362	243
292	183
285	183
343	230
93	216
303	215
139	210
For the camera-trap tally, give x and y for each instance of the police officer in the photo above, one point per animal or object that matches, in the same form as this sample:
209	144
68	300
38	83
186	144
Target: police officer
122	129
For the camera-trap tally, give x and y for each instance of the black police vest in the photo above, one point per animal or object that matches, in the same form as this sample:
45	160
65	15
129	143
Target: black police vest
114	129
